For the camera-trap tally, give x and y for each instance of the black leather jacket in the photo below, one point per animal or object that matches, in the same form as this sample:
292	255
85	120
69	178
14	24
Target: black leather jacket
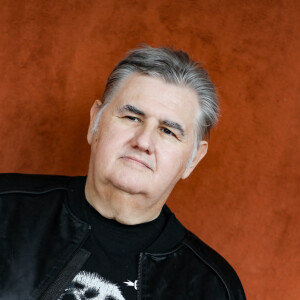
41	238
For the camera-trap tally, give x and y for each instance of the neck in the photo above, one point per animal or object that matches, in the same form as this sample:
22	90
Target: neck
119	205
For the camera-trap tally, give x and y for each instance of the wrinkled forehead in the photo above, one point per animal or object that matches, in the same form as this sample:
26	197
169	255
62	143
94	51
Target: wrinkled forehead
155	90
154	97
137	75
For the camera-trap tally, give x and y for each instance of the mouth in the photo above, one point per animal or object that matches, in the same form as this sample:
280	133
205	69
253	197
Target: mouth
137	161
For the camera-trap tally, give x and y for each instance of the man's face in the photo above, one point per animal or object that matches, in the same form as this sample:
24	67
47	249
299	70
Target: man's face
144	140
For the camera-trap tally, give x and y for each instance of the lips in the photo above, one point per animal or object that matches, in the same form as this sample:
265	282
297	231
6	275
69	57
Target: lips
138	161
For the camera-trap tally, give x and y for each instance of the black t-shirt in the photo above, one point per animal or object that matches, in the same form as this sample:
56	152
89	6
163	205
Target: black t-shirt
111	270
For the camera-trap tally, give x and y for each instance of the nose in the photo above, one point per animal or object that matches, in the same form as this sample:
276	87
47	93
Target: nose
144	139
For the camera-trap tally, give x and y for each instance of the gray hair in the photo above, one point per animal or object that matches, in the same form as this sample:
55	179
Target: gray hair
175	67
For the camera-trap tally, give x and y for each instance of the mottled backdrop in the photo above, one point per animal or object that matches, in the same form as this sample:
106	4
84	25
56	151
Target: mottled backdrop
242	200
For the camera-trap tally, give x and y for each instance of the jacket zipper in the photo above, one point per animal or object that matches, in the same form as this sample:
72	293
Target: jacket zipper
139	282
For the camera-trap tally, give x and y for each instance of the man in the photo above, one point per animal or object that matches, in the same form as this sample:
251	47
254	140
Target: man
109	235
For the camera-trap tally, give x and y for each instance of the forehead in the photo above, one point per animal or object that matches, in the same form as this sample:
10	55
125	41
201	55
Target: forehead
157	98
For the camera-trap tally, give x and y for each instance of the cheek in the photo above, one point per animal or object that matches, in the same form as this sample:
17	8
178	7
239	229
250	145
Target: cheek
111	141
172	162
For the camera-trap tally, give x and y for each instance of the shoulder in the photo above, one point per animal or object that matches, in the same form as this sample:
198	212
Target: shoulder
215	264
25	194
35	199
39	197
31	183
27	191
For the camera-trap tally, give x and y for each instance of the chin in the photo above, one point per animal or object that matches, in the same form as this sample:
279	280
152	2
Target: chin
130	185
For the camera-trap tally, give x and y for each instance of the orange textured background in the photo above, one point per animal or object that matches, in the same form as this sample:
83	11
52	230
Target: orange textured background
242	200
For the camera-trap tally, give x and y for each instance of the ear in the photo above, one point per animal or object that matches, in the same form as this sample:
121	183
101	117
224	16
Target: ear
93	112
202	150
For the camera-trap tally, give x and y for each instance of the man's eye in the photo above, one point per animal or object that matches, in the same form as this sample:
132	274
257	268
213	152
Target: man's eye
168	132
134	119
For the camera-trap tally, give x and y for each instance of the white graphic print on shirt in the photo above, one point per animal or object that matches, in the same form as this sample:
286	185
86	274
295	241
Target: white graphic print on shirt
130	283
86	285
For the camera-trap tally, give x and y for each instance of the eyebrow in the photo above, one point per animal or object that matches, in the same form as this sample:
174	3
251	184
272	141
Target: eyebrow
130	108
174	125
135	110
